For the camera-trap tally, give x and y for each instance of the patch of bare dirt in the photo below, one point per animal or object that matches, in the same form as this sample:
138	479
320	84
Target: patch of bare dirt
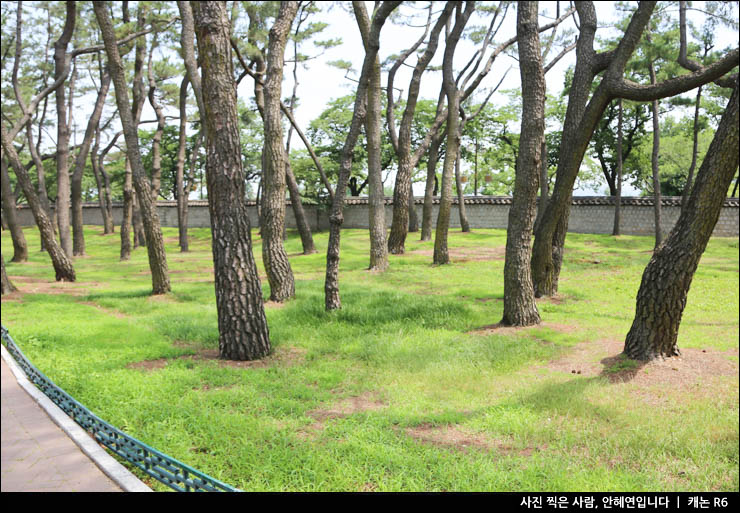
461	439
468	254
282	357
344	408
34	285
501	329
603	358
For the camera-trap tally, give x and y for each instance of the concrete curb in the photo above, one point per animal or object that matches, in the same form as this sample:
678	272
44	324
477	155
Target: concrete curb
110	467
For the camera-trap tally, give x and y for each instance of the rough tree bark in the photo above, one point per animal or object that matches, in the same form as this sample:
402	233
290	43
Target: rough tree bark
242	326
272	225
155	241
667	277
336	218
20	246
63	185
63	268
520	308
441	253
430	186
6	286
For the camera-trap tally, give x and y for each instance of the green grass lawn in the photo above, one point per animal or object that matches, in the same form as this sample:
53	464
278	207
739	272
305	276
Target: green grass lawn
408	387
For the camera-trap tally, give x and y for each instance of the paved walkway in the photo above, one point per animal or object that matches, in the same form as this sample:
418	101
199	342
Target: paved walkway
37	456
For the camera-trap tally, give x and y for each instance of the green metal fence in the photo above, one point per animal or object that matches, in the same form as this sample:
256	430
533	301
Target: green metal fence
161	467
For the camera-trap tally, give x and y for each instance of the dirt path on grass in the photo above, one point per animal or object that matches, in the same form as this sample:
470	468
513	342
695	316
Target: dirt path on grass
467	254
281	357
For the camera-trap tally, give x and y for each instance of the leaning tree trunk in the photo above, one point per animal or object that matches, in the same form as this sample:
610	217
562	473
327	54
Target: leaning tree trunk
464	225
277	265
520	308
155	241
304	230
242	326
667	278
62	264
20	246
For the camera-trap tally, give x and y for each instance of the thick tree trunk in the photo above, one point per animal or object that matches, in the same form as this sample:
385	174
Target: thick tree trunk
430	187
667	278
520	308
92	124
277	266
62	264
182	195
20	246
155	242
376	200
6	286
242	326
618	199
464	225
62	159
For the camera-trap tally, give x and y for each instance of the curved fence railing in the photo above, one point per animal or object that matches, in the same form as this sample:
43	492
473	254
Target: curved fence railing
161	467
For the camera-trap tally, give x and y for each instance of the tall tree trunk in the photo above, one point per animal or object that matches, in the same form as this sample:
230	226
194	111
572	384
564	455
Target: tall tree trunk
413	216
464	225
304	230
332	300
63	268
277	266
182	194
694	152
655	165
544	186
441	253
62	159
618	199
137	224
6	286
520	308
41	177
667	277
378	244
92	124
155	242
430	186
157	140
20	246
242	326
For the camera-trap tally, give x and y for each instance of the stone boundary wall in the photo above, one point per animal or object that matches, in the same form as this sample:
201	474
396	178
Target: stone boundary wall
587	214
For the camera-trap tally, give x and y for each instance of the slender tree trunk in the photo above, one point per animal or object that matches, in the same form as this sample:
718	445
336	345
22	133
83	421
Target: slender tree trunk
277	266
520	308
41	178
464	225
157	140
304	230
182	195
544	186
430	186
655	165
441	253
618	200
94	120
128	213
155	242
62	159
694	153
413	216
378	243
20	246
667	278
62	264
332	300
137	225
6	285
242	326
